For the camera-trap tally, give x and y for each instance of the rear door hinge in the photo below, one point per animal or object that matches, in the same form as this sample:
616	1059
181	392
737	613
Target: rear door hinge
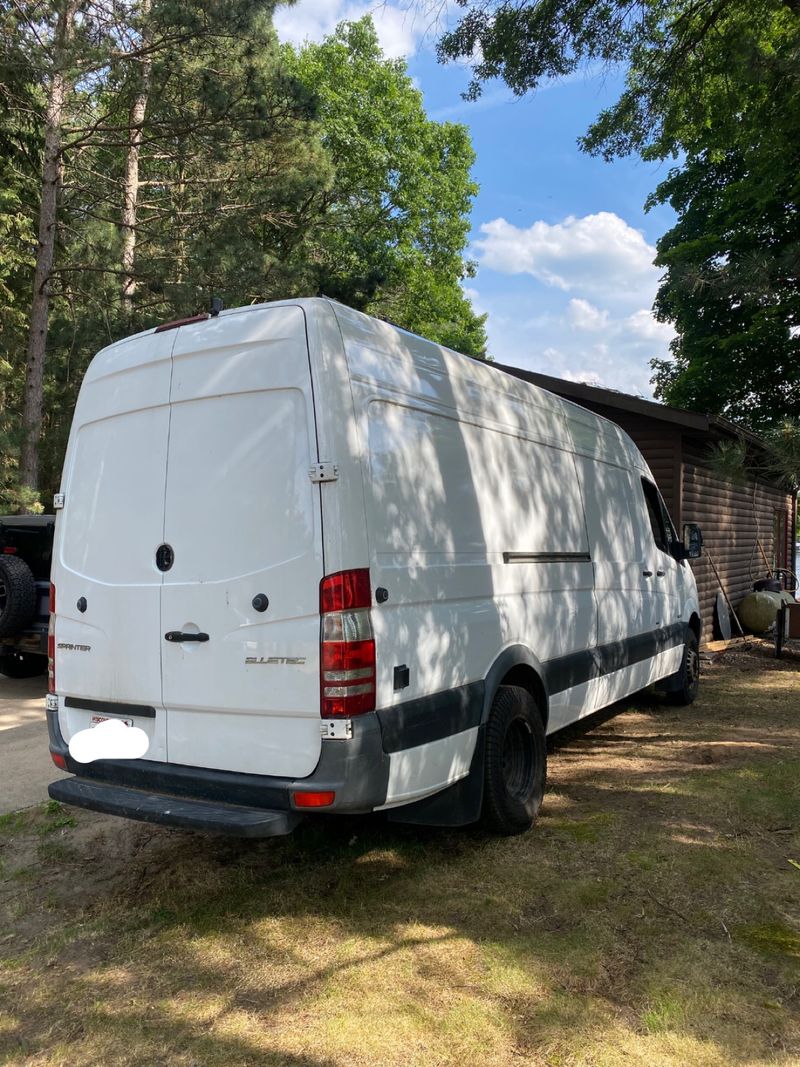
58	501
324	472
337	729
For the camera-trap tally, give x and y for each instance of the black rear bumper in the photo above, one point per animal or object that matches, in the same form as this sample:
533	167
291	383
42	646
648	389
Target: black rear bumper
192	814
355	770
250	805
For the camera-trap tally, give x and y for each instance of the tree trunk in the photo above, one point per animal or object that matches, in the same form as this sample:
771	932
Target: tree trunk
130	191
51	180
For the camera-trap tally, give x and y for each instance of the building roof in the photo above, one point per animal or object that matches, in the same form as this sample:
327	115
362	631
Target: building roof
581	393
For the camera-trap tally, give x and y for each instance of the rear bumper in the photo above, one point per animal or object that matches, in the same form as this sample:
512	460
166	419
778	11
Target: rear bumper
32	641
357	771
209	816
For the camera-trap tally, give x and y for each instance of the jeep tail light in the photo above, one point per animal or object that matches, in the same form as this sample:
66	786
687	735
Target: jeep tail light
347	649
59	760
51	643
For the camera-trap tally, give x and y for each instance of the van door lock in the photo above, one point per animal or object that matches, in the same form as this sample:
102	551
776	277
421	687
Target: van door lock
179	635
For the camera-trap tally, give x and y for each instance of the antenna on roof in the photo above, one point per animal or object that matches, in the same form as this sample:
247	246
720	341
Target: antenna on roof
216	306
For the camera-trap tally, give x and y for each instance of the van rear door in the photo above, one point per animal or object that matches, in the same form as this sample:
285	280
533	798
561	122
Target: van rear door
242	519
108	589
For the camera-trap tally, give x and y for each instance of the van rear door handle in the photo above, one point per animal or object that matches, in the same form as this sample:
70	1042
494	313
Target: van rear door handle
179	635
647	574
660	574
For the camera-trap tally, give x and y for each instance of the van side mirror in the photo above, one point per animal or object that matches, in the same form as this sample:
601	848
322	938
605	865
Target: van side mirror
692	541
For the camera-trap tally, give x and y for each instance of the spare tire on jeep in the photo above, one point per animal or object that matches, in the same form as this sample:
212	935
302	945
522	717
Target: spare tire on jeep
17	595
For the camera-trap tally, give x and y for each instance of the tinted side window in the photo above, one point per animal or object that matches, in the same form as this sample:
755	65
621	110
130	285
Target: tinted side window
671	534
655	514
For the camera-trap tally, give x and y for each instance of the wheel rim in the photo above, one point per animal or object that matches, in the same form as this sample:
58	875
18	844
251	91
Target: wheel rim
518	769
692	667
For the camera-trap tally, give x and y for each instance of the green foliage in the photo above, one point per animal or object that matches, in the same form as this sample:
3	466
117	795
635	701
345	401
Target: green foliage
682	57
732	261
224	201
263	173
717	81
778	463
397	221
729	459
20	118
698	71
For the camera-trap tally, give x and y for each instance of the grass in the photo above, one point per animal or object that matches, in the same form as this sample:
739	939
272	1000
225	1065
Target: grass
650	918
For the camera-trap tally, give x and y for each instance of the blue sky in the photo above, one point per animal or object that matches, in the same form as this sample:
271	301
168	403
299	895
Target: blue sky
563	245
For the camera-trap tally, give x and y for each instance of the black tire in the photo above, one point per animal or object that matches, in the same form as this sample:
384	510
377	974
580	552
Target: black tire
687	679
22	664
17	595
515	768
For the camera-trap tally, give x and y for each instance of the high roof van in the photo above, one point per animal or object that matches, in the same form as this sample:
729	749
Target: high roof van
329	566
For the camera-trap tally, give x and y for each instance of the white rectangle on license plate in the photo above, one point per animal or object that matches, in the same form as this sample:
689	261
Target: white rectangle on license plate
96	719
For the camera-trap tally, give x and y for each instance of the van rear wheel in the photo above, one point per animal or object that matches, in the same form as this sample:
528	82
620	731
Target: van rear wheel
516	762
687	679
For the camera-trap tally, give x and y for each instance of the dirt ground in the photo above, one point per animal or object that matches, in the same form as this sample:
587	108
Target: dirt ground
651	917
25	764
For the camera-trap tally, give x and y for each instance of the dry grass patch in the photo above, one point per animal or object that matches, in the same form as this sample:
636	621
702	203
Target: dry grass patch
651	917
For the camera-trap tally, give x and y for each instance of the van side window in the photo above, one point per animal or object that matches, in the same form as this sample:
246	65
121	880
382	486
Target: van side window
668	524
656	514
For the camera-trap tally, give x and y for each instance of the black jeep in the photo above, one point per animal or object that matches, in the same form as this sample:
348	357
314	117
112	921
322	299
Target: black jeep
26	550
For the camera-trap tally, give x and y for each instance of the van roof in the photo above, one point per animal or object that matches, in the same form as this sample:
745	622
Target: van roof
484	373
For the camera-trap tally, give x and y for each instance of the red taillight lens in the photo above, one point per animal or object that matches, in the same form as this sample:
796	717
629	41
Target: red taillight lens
347	651
313	800
51	643
345	590
9	550
348	656
59	760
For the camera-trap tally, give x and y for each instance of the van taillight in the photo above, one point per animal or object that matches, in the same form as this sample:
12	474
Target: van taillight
51	643
347	649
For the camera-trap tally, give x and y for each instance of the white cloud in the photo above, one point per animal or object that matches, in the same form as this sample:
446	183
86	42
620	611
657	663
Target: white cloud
399	28
643	324
585	316
472	294
599	254
571	299
607	352
585	377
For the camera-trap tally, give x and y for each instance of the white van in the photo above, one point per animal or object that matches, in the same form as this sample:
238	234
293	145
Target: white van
330	566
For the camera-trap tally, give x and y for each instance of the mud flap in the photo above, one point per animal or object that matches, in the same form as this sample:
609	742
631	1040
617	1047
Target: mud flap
673	682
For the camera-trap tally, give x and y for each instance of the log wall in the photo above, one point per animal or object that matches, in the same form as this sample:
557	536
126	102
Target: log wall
734	519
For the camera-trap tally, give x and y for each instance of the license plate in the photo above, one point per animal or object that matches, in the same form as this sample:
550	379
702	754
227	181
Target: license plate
97	719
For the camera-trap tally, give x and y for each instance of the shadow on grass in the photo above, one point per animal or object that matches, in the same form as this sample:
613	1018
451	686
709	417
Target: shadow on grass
619	913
